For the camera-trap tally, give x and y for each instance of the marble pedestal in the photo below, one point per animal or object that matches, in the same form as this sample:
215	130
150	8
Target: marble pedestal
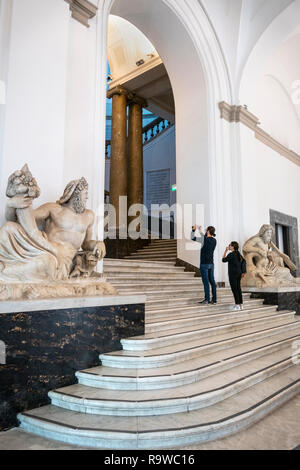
47	341
287	298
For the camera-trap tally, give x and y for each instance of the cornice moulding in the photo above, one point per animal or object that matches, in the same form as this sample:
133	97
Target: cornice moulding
82	11
239	114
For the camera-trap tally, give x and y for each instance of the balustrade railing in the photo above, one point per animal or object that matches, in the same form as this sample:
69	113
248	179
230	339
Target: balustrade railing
155	128
150	132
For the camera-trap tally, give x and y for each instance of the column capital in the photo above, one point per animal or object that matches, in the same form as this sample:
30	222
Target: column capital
82	11
138	100
131	96
119	90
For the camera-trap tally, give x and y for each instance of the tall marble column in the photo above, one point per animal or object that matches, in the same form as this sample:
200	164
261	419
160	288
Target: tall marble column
135	152
118	160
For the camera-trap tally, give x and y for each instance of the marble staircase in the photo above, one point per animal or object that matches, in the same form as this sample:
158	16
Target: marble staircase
158	250
198	374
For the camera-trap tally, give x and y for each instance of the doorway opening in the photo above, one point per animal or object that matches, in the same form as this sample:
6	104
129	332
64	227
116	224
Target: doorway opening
140	133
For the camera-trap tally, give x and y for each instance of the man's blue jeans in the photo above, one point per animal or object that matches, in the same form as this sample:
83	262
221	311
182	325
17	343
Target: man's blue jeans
207	273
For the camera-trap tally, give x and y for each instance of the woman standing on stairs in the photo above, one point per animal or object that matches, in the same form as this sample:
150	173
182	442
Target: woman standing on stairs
235	272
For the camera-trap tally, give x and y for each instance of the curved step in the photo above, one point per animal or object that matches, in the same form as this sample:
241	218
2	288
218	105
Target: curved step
163	339
177	400
186	372
186	351
217	421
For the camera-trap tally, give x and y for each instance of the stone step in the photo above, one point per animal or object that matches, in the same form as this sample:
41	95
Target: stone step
187	301
160	304
158	241
161	259
182	335
170	284
196	295
146	275
155	247
175	353
185	312
157	256
129	262
170	289
194	396
186	372
158	251
219	420
141	267
162	244
169	323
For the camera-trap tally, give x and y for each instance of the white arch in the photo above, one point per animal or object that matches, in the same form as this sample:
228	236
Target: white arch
210	87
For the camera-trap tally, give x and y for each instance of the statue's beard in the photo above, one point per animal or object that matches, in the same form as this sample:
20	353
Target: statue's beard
77	204
267	239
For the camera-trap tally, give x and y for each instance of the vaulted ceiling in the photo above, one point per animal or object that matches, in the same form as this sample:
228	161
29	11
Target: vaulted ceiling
239	24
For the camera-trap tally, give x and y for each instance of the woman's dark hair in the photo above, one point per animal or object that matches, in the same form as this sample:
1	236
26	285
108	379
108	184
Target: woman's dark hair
236	247
212	231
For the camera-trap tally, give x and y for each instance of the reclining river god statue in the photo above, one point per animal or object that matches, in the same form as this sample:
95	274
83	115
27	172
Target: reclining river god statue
41	249
267	266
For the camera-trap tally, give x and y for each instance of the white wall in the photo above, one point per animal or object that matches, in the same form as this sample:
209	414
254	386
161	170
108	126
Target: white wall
160	154
270	96
36	93
5	29
269	181
50	117
80	87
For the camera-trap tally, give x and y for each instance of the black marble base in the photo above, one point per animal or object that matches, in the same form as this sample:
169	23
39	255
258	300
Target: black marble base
284	300
188	267
46	348
119	249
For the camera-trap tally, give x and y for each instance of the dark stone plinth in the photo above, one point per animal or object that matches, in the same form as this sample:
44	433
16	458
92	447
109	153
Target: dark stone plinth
289	300
119	249
188	267
46	348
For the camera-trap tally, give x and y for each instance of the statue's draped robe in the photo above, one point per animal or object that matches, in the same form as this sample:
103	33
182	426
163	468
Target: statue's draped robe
23	259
